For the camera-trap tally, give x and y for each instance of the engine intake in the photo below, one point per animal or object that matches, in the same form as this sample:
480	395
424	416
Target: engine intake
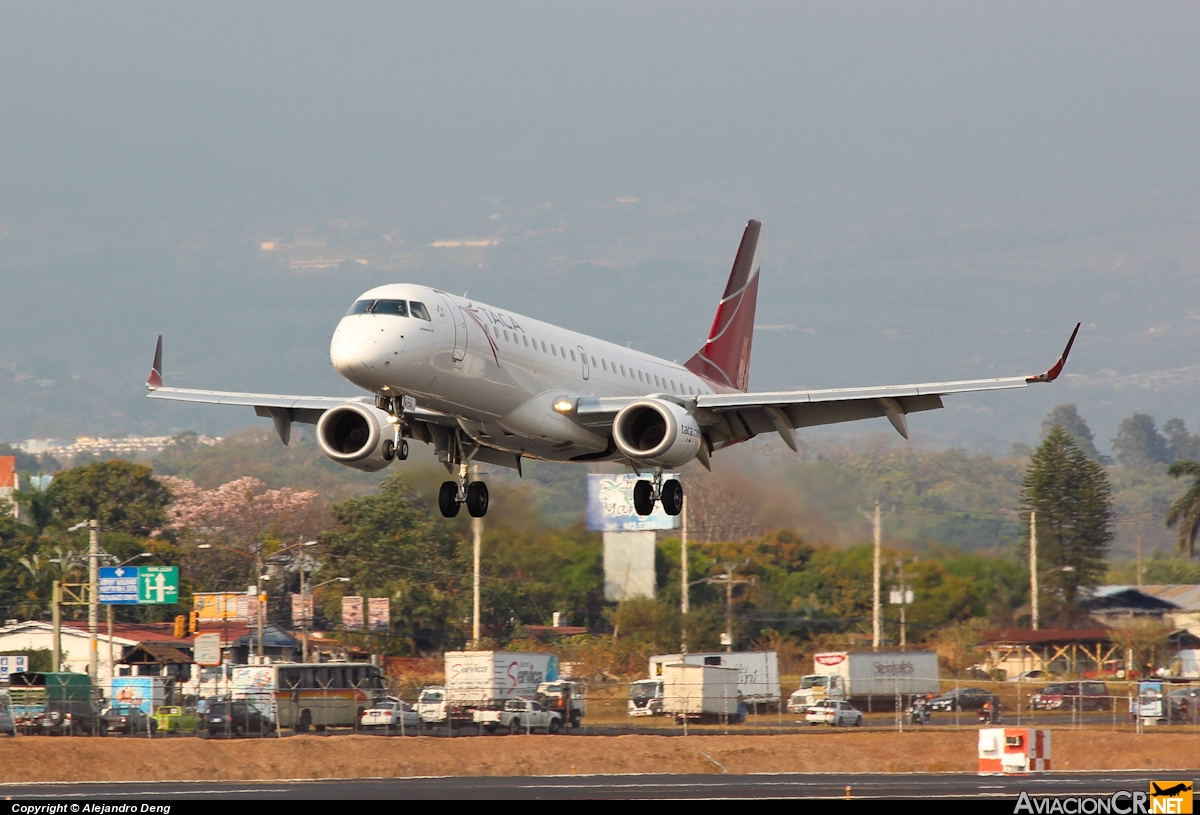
357	436
657	432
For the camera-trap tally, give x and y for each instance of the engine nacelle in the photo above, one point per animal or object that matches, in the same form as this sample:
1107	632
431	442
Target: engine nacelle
657	432
357	436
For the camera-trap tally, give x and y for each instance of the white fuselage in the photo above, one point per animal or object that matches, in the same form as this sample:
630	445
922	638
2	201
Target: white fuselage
497	372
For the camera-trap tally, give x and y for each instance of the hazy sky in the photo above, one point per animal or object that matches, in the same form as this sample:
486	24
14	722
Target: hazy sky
946	188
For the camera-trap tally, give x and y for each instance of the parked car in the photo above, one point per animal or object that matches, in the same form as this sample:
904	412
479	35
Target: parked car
72	718
236	719
519	716
1031	676
964	699
431	704
391	714
1072	696
834	712
128	719
176	719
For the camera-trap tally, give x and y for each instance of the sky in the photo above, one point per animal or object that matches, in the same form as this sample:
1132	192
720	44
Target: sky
945	188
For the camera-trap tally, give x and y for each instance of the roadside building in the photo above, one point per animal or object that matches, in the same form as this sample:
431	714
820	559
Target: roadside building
1063	651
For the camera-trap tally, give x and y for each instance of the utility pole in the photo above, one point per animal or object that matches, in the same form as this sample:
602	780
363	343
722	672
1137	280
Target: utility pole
683	572
304	606
902	597
56	620
477	535
94	598
876	610
1139	562
729	582
1033	569
258	594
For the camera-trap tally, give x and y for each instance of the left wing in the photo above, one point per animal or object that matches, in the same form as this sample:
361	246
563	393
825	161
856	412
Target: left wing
732	417
283	409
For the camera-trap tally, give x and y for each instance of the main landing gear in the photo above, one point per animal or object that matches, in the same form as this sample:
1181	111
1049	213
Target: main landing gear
454	494
646	493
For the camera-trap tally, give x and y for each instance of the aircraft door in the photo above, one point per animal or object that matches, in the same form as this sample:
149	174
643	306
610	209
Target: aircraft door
459	320
583	356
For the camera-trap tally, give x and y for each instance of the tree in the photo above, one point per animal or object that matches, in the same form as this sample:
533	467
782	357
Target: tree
121	495
1180	443
1138	442
1186	510
1067	417
1071	497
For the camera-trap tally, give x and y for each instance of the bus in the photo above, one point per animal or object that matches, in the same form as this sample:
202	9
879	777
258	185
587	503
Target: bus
308	696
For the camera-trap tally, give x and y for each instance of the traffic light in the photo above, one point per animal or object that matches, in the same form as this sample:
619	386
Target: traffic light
180	622
194	622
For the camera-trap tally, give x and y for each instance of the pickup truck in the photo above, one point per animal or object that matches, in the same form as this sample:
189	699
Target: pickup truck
519	716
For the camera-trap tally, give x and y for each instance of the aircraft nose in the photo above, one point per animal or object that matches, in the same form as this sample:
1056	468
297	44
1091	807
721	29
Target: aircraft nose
346	350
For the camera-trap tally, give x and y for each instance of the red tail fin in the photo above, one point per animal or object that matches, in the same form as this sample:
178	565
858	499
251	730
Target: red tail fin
725	358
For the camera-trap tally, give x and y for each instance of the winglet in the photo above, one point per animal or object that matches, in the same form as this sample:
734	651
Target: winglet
1053	373
154	381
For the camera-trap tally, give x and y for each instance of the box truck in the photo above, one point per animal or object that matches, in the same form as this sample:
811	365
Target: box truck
146	693
485	680
701	693
758	674
856	675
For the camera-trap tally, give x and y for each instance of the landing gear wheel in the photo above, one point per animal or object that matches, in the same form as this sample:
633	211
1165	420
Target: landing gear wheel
389	450
448	499
643	497
672	497
402	450
477	499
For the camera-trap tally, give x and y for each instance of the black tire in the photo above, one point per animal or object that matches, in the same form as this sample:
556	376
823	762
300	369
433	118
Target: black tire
477	499
575	719
238	732
514	726
643	503
672	497
489	728
304	722
553	727
402	450
448	499
389	450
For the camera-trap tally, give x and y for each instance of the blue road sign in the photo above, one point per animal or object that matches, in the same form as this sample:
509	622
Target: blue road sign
119	585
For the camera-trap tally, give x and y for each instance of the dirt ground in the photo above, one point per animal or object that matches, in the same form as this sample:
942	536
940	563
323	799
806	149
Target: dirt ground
85	759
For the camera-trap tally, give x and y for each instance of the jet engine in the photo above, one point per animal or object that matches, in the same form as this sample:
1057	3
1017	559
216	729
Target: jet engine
657	432
357	436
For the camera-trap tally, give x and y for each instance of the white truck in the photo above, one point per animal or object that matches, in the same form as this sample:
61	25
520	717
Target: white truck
519	716
701	693
486	680
431	704
758	678
856	675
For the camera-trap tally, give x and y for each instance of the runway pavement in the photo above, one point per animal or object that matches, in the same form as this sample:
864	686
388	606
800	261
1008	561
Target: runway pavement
860	786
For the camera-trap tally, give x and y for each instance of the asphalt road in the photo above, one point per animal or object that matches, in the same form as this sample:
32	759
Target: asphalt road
830	786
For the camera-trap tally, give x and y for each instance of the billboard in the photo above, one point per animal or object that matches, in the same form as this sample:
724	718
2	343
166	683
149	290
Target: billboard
302	610
379	614
352	613
610	505
206	649
12	664
219	605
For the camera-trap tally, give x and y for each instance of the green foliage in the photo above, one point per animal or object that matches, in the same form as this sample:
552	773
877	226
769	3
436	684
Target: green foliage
390	545
1071	497
1138	442
1067	417
123	496
1162	570
18	596
1186	510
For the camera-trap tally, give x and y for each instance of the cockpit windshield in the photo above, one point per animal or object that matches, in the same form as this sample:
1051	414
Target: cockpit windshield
397	308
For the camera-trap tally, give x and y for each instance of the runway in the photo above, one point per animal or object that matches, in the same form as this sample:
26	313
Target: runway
812	786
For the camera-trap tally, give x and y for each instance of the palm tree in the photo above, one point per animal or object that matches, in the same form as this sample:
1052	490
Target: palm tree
1186	511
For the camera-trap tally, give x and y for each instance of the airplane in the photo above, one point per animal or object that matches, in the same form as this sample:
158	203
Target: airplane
1182	786
482	384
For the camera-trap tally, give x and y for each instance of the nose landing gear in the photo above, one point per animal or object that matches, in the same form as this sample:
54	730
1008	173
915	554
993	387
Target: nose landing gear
646	493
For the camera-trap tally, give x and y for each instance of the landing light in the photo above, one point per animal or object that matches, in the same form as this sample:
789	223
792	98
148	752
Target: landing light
563	405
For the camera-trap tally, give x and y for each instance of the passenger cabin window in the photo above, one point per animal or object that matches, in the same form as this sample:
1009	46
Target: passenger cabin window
593	362
622	370
573	356
543	346
525	340
419	311
657	384
553	350
604	362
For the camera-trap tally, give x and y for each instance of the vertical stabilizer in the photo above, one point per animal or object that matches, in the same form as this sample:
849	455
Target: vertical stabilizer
725	358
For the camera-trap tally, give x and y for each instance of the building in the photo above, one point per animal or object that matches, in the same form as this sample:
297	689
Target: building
1123	606
9	483
1063	651
1186	598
